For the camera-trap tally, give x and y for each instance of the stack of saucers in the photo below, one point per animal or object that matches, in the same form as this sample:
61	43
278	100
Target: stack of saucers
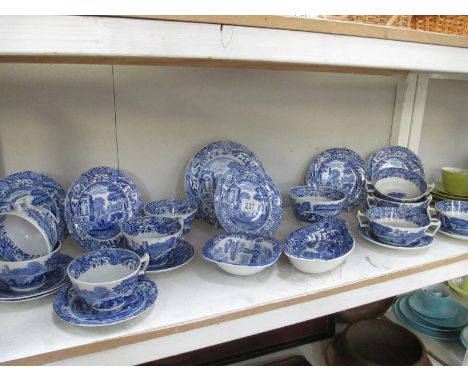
397	201
31	226
432	312
454	185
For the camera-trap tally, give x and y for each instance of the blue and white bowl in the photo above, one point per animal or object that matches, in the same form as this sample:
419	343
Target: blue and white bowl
27	232
241	253
453	215
398	226
152	235
184	209
320	247
106	278
399	184
311	204
28	275
376	201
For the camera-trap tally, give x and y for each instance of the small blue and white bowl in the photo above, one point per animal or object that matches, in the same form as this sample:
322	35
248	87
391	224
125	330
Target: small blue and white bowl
453	215
399	227
320	247
152	235
313	203
376	201
184	209
399	184
106	278
28	275
242	253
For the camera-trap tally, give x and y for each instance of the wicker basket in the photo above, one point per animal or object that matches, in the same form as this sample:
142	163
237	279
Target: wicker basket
441	24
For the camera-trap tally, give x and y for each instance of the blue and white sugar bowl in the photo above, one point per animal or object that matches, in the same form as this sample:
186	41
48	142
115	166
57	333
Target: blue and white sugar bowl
184	209
152	235
27	232
453	215
398	226
106	278
319	247
312	203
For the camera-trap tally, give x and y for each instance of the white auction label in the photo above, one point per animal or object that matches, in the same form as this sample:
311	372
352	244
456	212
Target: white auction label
249	206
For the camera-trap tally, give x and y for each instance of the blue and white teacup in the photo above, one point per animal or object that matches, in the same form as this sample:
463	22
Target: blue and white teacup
398	226
376	201
28	275
184	209
313	203
453	215
27	232
153	235
106	278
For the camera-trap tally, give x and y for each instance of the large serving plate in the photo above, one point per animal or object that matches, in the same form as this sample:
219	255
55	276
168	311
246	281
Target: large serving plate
41	190
97	204
341	169
205	169
247	200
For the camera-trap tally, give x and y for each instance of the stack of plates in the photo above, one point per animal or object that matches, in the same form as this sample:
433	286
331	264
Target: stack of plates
411	311
440	193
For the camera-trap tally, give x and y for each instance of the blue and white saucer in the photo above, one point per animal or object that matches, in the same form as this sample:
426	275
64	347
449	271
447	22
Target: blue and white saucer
57	279
98	203
72	309
247	201
207	166
425	242
41	190
177	257
454	235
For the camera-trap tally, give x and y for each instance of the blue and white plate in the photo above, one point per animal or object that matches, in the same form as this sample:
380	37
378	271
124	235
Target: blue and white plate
70	307
425	242
449	233
97	204
41	190
55	280
247	200
177	257
341	169
393	156
207	166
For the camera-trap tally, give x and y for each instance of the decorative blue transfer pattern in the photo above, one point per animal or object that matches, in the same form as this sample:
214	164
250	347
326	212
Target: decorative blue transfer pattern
393	156
325	240
151	224
341	169
72	309
205	169
180	255
375	201
42	191
453	215
98	202
56	279
399	195
185	209
242	249
247	200
8	250
46	221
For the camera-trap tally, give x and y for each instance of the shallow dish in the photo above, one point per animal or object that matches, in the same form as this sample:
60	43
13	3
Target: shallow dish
311	203
425	242
320	247
453	216
242	254
449	308
455	180
184	209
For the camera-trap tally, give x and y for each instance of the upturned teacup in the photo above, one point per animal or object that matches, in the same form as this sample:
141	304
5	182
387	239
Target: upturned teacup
106	278
184	209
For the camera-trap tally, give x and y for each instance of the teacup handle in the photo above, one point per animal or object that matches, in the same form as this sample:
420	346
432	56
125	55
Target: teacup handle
371	200
430	187
364	222
431	211
181	221
370	187
433	227
144	263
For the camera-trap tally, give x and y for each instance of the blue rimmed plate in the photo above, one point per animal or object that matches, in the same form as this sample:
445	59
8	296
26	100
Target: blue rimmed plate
247	200
56	279
177	257
70	307
425	242
341	169
393	156
205	169
41	190
97	204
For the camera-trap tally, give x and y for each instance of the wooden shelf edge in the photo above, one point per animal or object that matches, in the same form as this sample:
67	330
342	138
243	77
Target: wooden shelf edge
187	326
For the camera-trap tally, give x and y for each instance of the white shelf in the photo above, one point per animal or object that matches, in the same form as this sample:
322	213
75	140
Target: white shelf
200	305
120	40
